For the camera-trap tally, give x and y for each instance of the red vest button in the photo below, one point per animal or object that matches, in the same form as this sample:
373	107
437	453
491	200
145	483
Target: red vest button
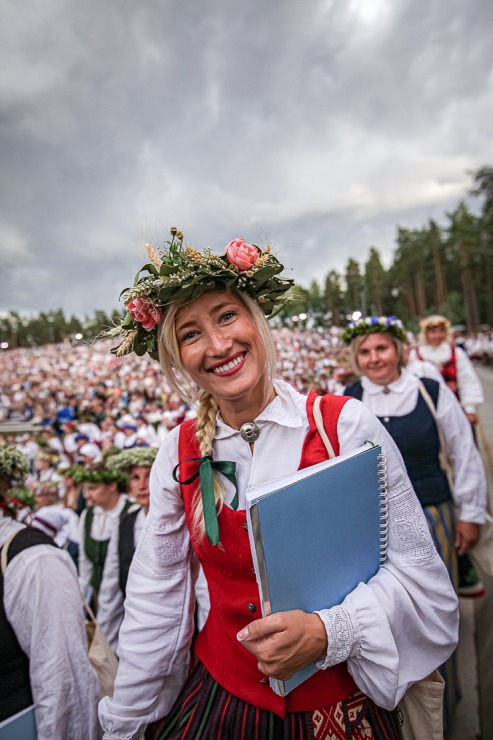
252	607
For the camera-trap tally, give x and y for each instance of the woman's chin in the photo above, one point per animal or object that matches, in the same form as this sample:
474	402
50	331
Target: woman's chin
382	379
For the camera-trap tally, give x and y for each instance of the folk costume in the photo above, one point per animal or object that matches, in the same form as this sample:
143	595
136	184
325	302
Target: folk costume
370	659
96	525
454	364
121	548
43	643
51	637
96	528
366	643
402	410
460	376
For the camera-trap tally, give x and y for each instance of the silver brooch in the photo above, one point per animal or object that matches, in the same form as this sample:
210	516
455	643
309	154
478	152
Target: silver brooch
249	431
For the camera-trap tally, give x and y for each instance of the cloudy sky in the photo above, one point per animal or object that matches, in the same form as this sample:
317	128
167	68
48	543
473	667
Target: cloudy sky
315	125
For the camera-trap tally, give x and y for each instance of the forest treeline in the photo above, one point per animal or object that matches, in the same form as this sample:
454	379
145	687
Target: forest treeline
435	269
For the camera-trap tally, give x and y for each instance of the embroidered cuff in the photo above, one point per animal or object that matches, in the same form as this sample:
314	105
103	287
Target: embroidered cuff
340	636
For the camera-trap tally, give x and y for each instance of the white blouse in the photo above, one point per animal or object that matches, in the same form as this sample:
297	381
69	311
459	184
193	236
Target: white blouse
468	382
43	605
387	642
470	487
110	597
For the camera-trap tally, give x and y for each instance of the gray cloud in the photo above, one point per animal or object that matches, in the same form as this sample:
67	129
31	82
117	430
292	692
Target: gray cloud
319	127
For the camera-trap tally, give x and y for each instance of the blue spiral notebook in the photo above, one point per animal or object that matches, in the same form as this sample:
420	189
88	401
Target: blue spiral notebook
316	534
21	726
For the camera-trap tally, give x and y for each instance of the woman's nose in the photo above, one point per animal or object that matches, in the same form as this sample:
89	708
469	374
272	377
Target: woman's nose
219	342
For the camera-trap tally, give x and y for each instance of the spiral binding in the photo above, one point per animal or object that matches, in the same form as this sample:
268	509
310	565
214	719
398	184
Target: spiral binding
384	507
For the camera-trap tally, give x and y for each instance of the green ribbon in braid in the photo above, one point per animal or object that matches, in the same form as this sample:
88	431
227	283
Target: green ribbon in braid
204	472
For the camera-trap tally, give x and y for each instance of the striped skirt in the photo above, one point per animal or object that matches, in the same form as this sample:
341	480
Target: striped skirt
206	711
441	522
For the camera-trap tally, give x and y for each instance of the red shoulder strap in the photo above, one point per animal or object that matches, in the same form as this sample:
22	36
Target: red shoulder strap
188	446
313	448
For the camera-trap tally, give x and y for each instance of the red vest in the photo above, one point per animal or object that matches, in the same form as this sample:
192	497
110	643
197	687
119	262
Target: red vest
234	592
449	371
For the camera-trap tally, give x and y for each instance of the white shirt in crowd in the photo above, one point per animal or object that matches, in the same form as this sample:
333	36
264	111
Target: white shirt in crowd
146	434
423	368
103	523
388	642
42	603
468	382
123	441
58	521
110	598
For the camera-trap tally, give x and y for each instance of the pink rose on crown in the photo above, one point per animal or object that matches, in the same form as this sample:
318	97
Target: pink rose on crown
144	312
241	254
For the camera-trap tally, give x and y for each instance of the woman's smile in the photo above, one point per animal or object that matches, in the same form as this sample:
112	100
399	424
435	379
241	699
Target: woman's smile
230	366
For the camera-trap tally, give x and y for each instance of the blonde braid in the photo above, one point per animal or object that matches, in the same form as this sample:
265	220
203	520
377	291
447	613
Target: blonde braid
206	422
206	430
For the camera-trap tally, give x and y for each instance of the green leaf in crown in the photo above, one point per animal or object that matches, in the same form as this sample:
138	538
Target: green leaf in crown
180	272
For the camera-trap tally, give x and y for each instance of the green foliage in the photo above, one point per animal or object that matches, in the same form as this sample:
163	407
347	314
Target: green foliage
21	497
334	298
135	456
103	475
355	295
14	466
374	280
49	327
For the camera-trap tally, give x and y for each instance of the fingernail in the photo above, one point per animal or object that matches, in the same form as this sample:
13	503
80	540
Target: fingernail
243	634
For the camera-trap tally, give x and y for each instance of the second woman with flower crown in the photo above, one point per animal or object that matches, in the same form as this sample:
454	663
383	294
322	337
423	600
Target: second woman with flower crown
205	315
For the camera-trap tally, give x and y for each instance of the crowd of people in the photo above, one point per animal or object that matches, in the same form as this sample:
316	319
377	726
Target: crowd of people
101	439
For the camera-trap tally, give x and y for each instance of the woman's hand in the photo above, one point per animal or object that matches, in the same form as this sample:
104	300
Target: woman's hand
285	642
466	536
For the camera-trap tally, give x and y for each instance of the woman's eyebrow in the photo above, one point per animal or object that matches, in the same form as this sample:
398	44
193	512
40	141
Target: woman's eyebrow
192	322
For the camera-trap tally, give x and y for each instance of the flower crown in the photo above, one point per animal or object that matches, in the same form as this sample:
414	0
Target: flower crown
100	475
50	488
132	457
14	466
372	325
180	272
433	322
20	498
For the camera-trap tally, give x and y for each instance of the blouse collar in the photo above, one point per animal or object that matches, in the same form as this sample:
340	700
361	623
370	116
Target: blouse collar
399	386
286	409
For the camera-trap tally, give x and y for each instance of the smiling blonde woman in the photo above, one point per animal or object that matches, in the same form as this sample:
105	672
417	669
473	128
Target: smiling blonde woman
215	347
